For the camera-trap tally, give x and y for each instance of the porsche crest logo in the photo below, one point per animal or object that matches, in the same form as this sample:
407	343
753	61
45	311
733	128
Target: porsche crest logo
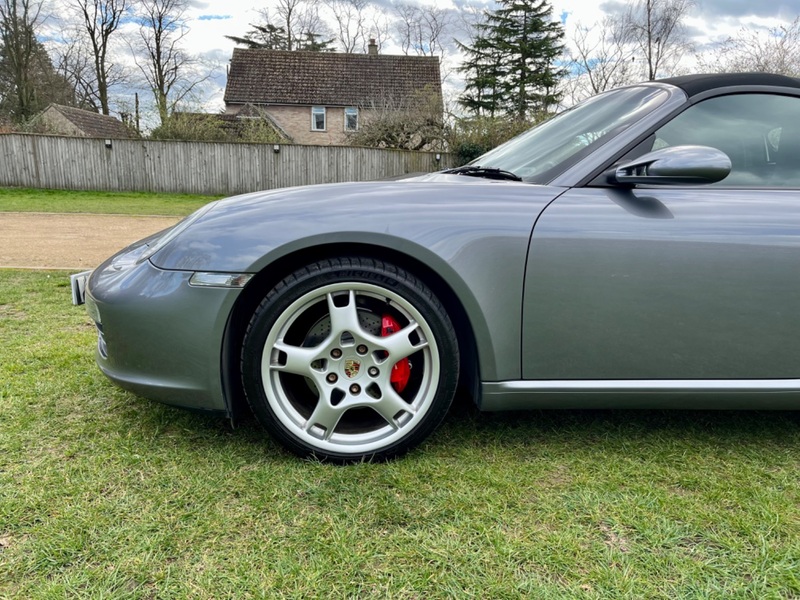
352	367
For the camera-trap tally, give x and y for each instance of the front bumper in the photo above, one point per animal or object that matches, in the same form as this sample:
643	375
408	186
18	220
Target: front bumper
158	336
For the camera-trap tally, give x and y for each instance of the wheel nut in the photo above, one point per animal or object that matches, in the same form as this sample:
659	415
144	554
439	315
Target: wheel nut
355	389
332	378
373	371
361	349
336	353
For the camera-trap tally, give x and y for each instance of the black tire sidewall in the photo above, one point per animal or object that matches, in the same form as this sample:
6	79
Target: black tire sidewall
356	270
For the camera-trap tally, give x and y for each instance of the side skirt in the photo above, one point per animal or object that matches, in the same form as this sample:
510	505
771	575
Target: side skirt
738	394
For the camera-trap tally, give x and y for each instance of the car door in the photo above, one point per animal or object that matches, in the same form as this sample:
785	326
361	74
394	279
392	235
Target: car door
670	283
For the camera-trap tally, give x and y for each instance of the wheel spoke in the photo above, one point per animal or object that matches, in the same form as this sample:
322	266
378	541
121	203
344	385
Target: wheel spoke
400	346
326	416
390	404
325	361
344	318
298	359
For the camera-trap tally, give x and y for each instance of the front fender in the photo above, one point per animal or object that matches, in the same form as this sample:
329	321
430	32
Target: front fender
474	236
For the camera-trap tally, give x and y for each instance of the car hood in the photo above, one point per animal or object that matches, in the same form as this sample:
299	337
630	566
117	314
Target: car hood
451	178
244	233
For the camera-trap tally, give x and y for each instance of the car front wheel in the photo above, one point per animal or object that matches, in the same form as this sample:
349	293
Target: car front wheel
350	359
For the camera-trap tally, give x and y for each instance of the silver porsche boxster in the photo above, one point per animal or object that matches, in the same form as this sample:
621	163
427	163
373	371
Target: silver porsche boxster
641	249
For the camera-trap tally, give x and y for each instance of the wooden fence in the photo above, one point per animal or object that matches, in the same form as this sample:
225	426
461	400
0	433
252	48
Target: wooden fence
195	167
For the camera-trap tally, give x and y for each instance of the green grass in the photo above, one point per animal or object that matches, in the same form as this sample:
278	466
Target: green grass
105	495
123	203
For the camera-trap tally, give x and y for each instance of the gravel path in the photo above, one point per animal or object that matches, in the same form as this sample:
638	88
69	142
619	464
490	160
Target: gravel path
69	241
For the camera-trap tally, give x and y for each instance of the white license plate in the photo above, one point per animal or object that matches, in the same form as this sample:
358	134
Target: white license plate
78	285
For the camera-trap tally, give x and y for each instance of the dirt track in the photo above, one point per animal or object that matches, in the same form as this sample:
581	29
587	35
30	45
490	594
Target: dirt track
69	241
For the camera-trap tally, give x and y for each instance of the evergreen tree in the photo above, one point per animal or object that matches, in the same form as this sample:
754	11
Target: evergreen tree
272	37
510	67
267	36
312	42
482	77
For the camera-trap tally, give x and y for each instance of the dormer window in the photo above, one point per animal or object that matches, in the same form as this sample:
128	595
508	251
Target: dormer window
317	118
351	119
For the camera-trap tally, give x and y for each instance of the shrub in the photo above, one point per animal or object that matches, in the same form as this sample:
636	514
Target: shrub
470	137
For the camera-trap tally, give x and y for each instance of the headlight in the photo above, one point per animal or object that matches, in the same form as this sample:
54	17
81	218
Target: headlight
174	232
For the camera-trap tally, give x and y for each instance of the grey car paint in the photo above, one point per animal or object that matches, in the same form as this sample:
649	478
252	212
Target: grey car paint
144	354
474	239
610	270
475	236
664	284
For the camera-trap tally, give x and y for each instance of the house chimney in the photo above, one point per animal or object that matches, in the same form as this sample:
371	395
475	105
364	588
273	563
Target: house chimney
373	47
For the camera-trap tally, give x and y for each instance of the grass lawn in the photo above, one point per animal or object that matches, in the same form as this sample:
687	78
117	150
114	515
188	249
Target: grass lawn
105	495
123	203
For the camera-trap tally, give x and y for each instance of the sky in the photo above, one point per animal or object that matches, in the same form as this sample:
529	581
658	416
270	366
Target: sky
710	21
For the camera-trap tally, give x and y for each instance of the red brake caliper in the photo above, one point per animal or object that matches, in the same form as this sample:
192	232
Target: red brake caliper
401	371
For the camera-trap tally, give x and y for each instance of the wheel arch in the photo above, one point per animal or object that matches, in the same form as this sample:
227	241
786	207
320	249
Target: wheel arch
465	321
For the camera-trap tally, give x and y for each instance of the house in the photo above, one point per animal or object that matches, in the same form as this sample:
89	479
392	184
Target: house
75	122
319	97
250	124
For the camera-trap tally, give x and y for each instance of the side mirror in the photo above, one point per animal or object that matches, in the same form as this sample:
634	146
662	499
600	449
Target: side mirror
679	165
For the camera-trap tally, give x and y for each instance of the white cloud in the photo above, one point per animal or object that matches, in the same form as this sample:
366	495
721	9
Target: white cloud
712	20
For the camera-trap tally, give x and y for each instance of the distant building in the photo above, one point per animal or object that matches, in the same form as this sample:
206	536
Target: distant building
75	122
233	127
318	97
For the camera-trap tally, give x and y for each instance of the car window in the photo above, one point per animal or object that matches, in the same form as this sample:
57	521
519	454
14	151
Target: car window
760	133
554	145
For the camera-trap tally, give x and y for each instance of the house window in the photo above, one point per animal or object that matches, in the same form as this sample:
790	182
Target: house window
317	118
351	119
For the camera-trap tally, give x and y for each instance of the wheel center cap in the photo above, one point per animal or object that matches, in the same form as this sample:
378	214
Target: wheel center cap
352	367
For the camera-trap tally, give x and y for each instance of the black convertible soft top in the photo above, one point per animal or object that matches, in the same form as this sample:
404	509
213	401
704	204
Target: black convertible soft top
696	84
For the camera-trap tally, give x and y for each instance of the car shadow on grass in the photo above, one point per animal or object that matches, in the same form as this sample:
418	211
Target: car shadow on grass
723	424
467	427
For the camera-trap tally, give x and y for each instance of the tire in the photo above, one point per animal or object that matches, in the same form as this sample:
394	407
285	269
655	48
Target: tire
327	378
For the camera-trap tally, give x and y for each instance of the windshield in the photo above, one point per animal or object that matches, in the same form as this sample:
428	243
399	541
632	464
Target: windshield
548	149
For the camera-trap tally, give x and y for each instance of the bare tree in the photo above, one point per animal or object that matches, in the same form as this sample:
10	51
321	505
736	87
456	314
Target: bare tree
423	29
170	72
404	25
292	25
299	18
435	30
351	23
18	22
73	61
599	60
379	28
775	50
289	11
100	20
655	28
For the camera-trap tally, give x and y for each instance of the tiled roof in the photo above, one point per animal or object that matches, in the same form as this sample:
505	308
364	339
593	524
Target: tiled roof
93	124
233	123
260	76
